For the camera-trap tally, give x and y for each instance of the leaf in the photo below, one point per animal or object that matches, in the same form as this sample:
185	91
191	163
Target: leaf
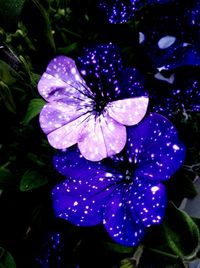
181	233
7	75
10	11
33	110
6	259
5	175
191	206
32	180
118	248
6	95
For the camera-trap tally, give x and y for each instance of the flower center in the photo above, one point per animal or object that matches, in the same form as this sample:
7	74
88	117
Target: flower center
100	105
128	176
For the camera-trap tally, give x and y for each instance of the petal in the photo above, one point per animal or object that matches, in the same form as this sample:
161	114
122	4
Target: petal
128	111
182	95
154	147
57	114
117	11
69	134
81	198
120	222
102	137
101	66
149	201
62	80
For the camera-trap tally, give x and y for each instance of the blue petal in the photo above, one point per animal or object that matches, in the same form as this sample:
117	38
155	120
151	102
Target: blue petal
118	11
132	208
121	221
52	251
154	147
160	24
183	94
101	67
149	201
82	196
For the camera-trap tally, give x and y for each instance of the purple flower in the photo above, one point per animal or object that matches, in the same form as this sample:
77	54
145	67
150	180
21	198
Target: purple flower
122	11
91	111
124	192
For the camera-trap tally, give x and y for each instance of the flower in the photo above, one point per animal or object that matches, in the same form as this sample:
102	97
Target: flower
181	95
122	11
169	38
91	113
124	192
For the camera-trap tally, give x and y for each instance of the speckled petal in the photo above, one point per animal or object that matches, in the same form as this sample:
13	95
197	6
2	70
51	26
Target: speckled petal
82	197
55	115
118	11
69	134
149	201
101	66
123	226
128	111
62	80
154	146
102	137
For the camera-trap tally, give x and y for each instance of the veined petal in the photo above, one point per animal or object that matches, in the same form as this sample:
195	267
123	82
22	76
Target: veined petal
55	115
61	80
120	222
99	139
69	134
149	201
128	111
82	197
155	147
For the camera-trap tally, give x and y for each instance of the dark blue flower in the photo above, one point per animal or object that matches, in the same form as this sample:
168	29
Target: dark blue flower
168	38
180	93
122	11
93	111
124	192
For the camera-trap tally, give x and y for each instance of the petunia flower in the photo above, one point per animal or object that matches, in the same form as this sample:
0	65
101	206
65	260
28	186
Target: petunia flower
125	192
91	105
181	95
122	11
168	37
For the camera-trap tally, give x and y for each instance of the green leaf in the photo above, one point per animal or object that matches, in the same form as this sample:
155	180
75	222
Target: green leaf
191	206
7	74
6	259
32	180
10	11
181	233
33	110
118	248
5	175
6	96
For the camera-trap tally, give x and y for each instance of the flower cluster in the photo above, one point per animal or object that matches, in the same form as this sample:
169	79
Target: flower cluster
116	147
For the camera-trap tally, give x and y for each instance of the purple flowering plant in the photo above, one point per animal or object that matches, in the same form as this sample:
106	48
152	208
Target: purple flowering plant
113	171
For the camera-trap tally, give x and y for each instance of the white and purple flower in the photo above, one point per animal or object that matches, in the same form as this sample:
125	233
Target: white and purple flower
125	192
91	111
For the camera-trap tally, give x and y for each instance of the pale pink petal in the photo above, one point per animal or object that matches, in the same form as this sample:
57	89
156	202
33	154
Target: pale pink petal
61	80
57	114
101	138
69	134
128	111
